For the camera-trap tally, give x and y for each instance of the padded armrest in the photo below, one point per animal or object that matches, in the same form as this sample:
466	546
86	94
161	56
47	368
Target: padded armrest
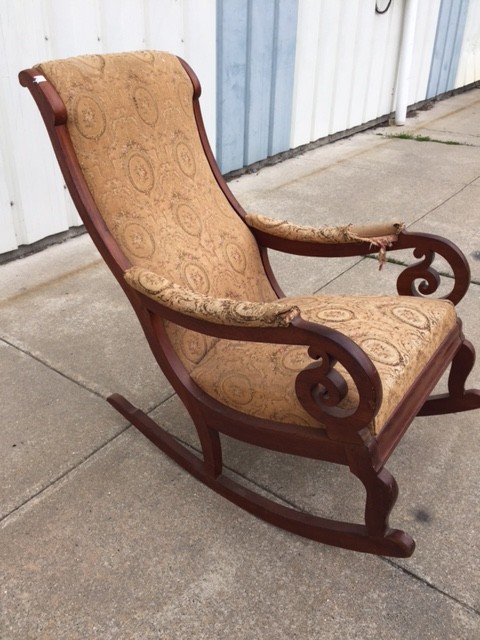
225	311
382	234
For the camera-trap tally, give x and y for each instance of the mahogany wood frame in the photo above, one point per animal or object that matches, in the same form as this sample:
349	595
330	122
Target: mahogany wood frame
345	439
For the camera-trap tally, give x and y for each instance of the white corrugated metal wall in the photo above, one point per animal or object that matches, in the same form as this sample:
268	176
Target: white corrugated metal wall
469	63
356	57
256	43
33	202
344	75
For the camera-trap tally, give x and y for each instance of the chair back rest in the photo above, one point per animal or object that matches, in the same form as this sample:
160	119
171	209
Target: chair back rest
132	124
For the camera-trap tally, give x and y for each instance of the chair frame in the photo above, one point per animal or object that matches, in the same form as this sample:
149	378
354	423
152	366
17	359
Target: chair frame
345	440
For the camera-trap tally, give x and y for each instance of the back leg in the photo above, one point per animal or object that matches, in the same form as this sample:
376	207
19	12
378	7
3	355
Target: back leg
211	448
457	399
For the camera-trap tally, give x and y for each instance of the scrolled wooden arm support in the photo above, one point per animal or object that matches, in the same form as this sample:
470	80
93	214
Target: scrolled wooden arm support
427	246
320	388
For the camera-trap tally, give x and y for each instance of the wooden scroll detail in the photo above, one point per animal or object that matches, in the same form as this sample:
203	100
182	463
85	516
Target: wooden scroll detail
421	279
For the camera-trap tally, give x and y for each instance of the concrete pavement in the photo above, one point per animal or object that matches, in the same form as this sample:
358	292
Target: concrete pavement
104	537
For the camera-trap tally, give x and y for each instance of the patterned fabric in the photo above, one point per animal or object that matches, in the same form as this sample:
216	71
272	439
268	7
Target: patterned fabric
399	334
379	234
131	121
217	310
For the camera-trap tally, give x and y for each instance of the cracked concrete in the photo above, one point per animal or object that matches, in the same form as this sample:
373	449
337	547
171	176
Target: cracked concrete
102	536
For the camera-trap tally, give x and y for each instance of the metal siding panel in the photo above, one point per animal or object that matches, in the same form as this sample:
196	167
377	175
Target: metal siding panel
346	63
385	48
446	54
438	50
122	24
351	54
345	54
73	28
8	237
448	47
231	82
200	51
283	75
256	57
303	101
8	232
29	162
361	77
457	43
326	69
469	62
389	60
164	25
427	19
260	55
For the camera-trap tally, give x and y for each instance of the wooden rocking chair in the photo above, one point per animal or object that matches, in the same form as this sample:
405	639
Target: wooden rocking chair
331	378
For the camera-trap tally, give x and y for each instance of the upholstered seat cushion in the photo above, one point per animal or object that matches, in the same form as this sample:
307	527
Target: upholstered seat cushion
399	334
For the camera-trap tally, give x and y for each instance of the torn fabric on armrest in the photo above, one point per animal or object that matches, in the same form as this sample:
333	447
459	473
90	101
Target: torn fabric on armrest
380	235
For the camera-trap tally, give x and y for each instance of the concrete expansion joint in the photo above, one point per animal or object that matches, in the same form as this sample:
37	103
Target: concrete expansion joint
50	366
444	201
430	585
42	286
60	480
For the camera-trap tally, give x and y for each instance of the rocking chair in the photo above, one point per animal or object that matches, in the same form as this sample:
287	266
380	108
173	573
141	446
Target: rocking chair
330	378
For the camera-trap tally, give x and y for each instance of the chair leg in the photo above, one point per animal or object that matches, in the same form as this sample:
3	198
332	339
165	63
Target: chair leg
374	537
457	399
381	495
161	438
211	448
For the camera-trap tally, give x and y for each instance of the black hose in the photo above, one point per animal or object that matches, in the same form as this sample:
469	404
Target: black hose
381	11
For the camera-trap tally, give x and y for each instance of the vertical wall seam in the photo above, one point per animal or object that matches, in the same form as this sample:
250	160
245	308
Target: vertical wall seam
353	72
273	77
433	63
457	43
447	61
338	45
447	48
219	101
248	80
317	77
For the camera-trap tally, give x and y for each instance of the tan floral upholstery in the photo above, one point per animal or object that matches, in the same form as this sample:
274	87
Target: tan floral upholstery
399	335
377	234
226	311
153	184
381	235
131	121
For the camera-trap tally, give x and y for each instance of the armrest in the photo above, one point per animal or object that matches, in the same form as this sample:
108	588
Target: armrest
286	236
419	279
319	387
377	234
224	311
